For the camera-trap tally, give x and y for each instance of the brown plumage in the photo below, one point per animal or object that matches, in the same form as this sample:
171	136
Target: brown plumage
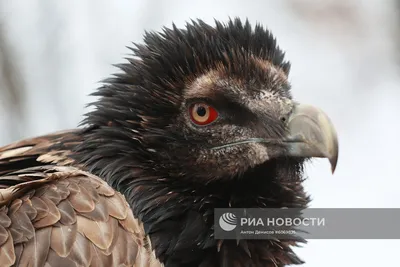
58	215
200	118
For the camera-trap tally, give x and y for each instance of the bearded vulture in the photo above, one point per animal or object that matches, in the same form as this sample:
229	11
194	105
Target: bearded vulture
198	118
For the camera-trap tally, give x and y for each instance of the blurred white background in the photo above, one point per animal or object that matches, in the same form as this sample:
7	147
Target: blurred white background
344	58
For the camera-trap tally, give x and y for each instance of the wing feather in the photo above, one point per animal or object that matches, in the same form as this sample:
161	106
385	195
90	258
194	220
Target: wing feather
54	214
63	238
65	221
7	253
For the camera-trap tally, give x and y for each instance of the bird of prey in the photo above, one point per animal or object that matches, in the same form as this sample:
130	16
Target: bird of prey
198	118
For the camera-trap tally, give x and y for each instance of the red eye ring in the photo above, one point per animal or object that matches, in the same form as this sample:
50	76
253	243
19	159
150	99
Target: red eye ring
202	114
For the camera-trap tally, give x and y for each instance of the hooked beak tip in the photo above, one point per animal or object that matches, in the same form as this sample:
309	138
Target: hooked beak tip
314	133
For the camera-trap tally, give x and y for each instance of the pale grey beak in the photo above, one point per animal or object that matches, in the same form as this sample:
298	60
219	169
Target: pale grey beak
312	134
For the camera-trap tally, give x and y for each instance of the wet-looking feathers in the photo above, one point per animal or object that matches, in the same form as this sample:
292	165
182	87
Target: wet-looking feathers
137	183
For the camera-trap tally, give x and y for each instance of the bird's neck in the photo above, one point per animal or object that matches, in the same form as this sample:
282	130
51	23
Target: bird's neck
179	217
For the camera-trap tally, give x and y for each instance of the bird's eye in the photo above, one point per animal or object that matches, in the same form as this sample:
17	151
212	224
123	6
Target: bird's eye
202	114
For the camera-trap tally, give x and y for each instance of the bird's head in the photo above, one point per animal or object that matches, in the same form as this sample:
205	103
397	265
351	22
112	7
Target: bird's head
207	103
232	118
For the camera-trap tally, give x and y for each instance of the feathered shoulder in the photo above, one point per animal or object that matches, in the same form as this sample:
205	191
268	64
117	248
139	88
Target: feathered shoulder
51	212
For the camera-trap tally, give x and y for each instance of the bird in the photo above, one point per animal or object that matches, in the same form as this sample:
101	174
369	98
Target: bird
197	118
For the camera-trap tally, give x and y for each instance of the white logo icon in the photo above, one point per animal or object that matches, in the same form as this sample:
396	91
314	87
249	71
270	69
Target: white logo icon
227	221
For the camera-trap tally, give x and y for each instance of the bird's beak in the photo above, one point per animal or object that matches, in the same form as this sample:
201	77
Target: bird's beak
311	134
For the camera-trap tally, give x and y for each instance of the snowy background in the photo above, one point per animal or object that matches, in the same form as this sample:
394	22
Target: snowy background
344	55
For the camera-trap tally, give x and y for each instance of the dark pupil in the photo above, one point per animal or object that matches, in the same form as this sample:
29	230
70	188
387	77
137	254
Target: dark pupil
201	111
